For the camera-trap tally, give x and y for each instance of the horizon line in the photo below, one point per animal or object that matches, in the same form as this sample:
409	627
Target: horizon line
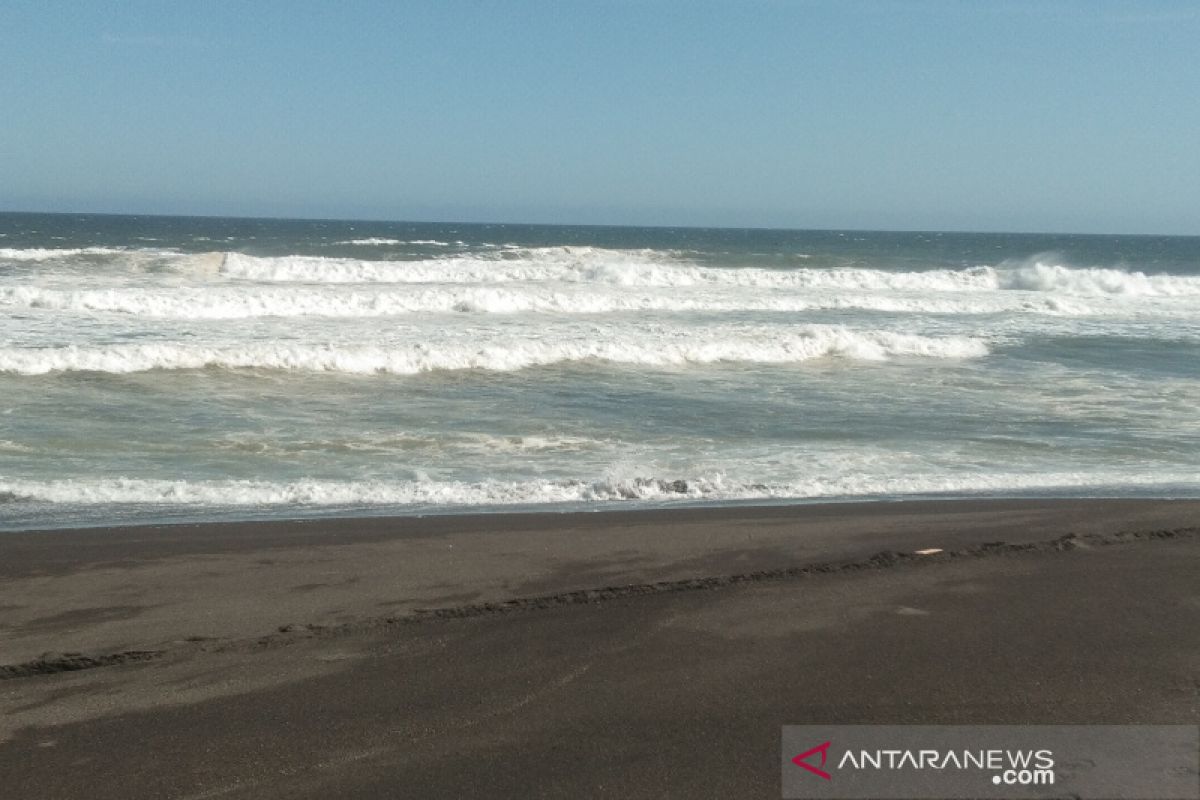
276	218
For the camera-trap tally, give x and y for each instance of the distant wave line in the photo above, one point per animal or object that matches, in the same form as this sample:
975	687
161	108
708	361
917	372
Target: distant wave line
656	269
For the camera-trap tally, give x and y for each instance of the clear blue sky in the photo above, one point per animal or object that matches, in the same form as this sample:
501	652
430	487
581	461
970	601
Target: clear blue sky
988	115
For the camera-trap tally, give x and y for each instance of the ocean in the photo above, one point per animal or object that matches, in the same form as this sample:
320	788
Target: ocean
157	369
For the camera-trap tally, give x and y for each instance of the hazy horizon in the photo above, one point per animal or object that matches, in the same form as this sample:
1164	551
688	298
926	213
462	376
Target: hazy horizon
865	115
539	224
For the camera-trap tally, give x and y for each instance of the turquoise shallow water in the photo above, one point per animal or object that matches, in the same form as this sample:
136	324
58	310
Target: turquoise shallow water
159	368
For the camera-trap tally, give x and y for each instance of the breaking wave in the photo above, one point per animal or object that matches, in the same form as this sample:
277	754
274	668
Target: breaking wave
1042	277
229	302
447	493
645	268
663	269
768	346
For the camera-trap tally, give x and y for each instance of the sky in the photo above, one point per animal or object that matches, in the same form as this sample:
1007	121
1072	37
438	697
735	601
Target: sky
984	115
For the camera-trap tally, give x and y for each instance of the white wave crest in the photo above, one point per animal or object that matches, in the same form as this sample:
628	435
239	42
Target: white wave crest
373	240
1041	277
449	493
230	302
652	269
665	269
379	240
316	492
592	266
672	348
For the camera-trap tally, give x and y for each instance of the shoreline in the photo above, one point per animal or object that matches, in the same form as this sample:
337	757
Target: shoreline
226	517
622	654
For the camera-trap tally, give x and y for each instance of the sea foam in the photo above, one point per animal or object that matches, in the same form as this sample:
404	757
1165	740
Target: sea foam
671	348
1042	277
443	493
236	302
661	269
589	266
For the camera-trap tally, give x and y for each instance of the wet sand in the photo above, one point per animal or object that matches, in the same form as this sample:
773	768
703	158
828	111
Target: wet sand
631	654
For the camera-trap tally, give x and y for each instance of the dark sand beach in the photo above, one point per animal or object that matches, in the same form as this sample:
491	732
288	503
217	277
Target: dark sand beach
627	654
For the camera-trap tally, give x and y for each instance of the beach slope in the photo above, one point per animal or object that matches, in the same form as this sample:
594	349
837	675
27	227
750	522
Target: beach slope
650	654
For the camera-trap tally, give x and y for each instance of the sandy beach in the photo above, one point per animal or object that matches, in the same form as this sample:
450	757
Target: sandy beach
627	654
626	400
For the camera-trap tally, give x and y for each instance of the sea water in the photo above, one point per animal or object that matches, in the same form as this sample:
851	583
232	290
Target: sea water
157	368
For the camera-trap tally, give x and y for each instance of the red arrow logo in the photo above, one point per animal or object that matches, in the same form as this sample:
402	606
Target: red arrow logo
800	761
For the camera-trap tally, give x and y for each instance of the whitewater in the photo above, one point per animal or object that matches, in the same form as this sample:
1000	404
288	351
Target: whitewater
158	368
